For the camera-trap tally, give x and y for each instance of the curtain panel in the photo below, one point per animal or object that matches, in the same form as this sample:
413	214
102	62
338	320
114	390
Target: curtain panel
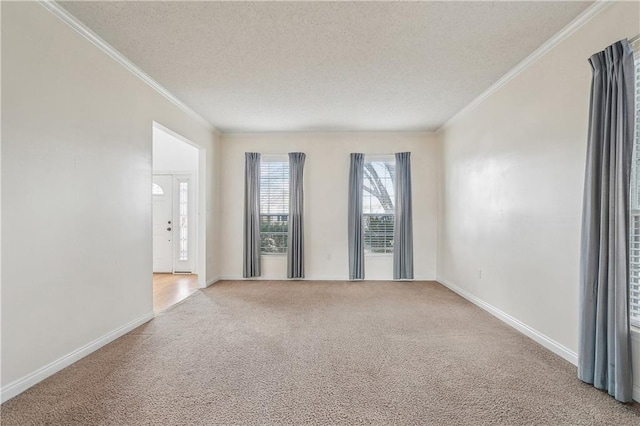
295	237
403	228
251	246
355	225
604	357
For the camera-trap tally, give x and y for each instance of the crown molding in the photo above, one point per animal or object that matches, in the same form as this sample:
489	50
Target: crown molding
112	52
558	38
87	33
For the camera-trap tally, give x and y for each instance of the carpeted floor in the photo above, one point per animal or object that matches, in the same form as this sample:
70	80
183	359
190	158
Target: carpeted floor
272	352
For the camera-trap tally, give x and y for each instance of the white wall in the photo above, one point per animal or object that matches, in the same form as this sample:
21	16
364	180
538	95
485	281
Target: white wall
513	170
170	154
76	200
326	178
76	206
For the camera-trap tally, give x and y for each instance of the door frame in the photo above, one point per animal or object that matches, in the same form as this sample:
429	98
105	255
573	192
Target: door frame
200	262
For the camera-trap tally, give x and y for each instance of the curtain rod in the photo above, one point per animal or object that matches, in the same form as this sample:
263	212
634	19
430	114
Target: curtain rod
635	39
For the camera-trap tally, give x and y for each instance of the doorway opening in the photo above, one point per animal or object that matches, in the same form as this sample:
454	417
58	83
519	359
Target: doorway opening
178	219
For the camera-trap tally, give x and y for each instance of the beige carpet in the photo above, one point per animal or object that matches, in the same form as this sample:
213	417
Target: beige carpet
331	353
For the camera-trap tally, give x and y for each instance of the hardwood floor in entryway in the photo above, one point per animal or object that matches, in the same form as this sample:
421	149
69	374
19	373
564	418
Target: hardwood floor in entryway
169	289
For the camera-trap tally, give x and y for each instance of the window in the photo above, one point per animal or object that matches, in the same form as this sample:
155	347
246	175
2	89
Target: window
183	202
634	205
378	204
274	205
156	189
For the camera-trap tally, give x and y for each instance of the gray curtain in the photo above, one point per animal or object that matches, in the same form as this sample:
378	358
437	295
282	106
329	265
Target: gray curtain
604	357
295	237
356	237
251	247
403	228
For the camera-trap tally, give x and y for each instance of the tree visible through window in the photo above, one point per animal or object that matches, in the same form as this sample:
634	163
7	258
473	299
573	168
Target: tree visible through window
274	205
379	204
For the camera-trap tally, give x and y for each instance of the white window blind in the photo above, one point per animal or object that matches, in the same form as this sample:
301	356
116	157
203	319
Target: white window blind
634	204
274	205
378	203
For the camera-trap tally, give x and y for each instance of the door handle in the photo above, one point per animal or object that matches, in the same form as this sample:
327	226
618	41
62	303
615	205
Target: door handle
168	229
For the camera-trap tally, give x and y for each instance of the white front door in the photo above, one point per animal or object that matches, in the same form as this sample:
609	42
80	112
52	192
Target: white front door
163	223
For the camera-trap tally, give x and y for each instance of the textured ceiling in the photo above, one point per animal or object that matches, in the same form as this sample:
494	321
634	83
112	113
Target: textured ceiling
295	66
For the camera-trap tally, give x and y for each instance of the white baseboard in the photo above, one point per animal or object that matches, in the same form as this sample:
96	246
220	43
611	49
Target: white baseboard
24	383
213	280
313	278
241	278
523	328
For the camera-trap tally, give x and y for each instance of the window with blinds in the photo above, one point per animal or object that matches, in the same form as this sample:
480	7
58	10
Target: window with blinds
274	205
378	204
634	204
